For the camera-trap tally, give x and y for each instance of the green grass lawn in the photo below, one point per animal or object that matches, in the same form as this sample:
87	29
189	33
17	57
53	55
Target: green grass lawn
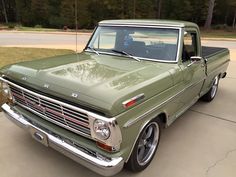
10	55
22	28
38	28
219	34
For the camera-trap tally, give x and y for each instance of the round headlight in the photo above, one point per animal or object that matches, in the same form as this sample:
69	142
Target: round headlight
6	91
101	129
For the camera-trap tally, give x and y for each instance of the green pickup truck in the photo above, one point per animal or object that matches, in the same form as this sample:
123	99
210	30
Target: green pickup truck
105	107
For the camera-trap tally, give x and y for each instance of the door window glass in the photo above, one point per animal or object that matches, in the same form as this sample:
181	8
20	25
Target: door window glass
189	46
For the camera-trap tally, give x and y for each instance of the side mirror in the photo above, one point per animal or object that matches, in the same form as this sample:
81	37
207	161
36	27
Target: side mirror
194	60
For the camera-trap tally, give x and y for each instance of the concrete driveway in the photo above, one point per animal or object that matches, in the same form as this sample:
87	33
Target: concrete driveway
201	143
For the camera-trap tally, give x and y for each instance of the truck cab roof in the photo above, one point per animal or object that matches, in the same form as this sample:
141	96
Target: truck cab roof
166	23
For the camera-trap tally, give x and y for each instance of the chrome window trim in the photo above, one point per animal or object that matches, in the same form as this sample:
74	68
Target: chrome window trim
179	53
143	26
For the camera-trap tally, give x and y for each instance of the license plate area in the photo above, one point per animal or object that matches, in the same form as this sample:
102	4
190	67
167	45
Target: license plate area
39	136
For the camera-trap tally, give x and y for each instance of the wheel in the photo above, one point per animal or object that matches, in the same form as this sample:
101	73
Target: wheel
210	95
145	147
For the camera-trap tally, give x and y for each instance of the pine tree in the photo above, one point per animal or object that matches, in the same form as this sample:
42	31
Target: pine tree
68	13
4	11
23	12
40	12
84	15
55	20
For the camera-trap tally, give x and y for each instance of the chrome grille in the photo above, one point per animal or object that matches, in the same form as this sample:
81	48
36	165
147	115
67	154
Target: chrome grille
54	112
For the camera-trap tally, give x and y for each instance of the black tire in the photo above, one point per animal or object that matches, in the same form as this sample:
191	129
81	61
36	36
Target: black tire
145	147
210	95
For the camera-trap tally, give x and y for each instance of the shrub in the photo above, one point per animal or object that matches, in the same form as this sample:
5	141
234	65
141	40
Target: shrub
11	25
38	26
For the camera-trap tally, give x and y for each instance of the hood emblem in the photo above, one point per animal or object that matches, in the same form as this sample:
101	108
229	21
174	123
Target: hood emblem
74	95
46	85
24	78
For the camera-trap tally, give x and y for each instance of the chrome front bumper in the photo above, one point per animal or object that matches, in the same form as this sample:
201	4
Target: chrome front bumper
99	164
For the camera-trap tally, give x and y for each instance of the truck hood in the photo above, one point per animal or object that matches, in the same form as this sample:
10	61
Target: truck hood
97	82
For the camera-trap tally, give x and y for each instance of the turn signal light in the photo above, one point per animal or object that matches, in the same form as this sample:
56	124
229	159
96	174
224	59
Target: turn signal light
133	101
104	147
129	104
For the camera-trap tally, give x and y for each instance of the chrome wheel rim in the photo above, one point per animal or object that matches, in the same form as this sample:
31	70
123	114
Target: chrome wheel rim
148	143
214	87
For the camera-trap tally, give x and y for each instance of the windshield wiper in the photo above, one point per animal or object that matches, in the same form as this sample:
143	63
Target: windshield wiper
93	50
126	54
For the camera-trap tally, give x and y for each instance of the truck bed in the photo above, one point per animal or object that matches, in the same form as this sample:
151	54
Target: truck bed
211	51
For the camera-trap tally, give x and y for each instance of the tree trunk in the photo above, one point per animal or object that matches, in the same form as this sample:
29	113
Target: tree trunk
122	9
209	14
4	11
134	9
158	8
226	16
234	21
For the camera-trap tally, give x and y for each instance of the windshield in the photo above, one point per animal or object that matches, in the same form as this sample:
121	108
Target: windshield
144	43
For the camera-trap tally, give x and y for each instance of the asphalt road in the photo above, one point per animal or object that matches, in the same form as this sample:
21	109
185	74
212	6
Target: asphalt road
201	143
63	40
46	40
21	38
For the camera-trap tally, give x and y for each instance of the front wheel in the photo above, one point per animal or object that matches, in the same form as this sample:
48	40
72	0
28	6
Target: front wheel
145	147
210	95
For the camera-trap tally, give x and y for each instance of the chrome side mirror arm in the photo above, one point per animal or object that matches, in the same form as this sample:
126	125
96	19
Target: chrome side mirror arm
194	59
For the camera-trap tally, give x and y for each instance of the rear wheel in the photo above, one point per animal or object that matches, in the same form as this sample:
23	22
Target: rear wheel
145	147
210	95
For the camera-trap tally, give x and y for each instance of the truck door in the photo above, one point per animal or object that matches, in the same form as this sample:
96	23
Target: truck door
193	71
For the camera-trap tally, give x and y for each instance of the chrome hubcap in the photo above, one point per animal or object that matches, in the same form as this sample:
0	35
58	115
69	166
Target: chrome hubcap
214	87
148	143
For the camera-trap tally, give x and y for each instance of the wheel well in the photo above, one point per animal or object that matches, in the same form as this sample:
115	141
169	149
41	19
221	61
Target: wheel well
162	118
